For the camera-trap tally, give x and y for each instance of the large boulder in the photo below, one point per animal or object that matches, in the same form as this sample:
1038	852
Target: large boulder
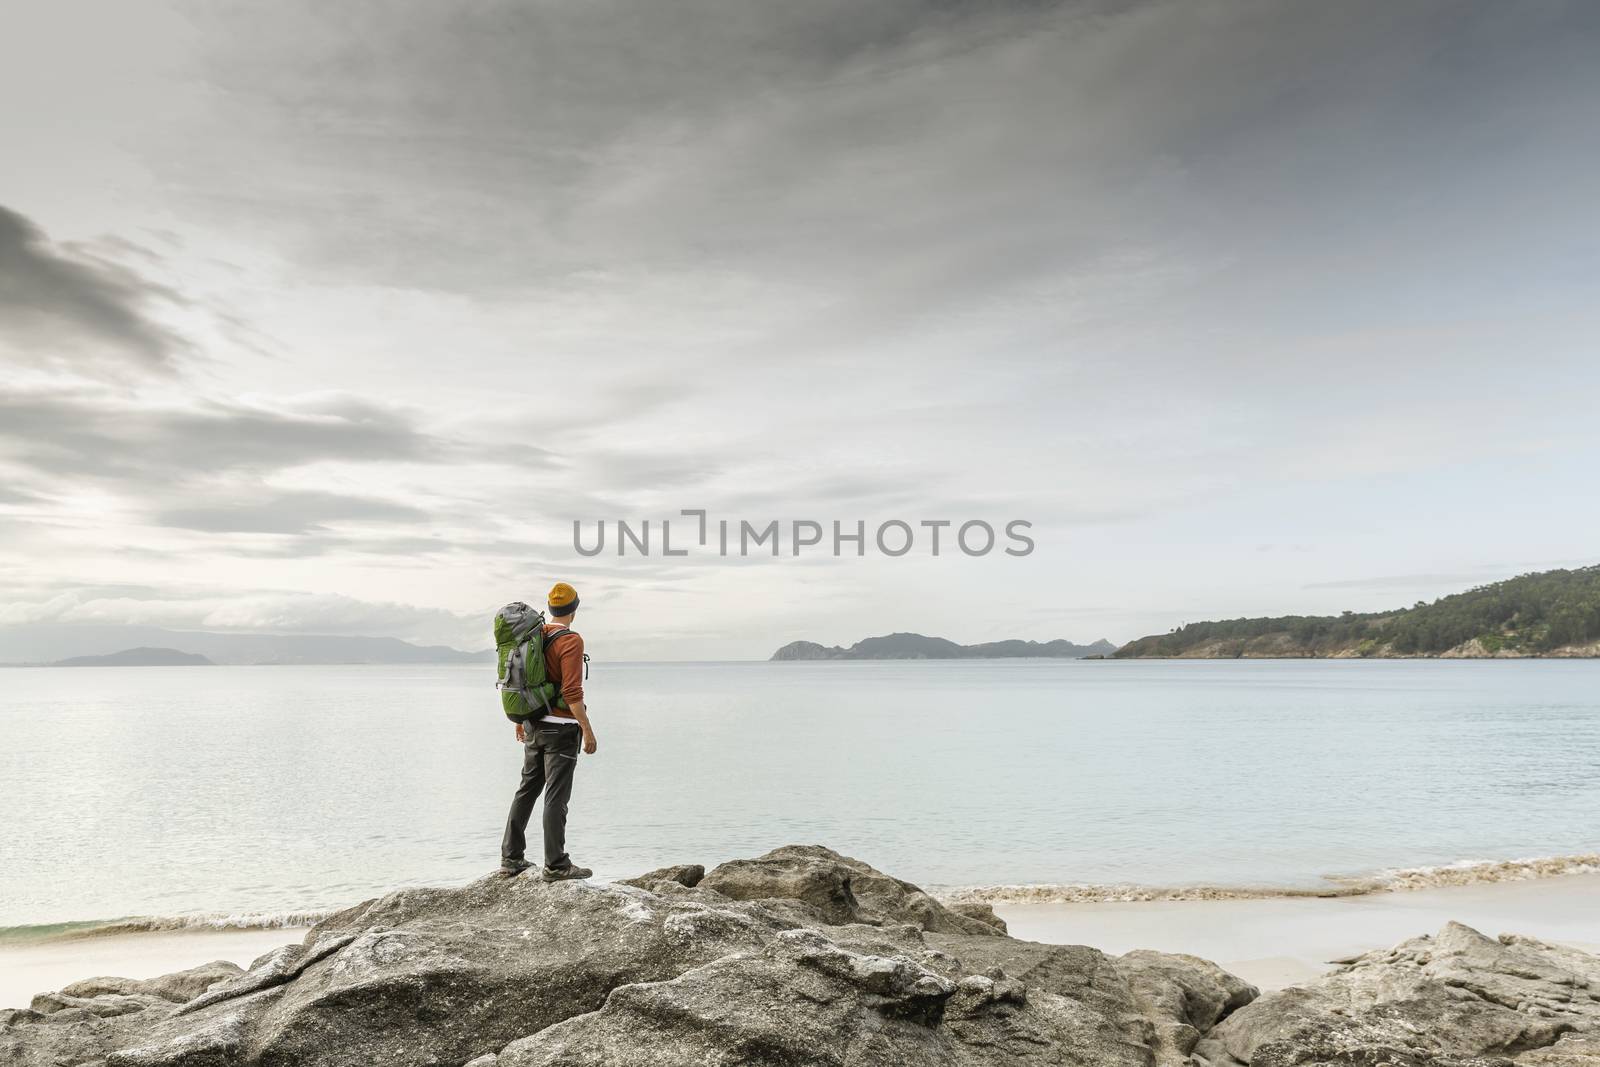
1185	996
801	999
442	976
842	890
1458	999
857	996
1150	1000
83	1020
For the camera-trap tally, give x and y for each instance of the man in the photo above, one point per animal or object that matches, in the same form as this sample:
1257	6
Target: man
550	749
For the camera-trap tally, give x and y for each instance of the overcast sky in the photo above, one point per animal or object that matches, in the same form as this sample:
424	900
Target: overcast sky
333	318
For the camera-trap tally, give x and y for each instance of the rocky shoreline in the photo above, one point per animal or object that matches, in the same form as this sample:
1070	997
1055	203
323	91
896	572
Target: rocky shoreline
798	957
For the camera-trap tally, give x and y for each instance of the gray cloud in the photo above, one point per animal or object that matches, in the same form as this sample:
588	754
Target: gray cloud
24	588
839	169
284	512
202	467
13	496
708	135
619	470
97	436
61	307
400	549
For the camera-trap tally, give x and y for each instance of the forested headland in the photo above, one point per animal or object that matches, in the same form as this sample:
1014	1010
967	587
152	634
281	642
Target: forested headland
1551	613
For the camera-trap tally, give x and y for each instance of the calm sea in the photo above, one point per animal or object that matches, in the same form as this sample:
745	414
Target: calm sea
227	790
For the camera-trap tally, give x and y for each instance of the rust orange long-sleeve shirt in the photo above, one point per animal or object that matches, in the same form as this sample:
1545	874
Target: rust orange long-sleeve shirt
564	663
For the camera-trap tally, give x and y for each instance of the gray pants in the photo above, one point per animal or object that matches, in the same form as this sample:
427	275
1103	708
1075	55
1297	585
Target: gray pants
549	756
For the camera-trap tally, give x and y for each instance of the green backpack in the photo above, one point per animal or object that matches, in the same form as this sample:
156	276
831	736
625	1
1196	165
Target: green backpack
526	691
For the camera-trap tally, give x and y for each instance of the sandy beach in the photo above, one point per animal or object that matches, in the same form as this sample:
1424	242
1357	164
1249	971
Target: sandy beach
1270	942
1278	942
48	965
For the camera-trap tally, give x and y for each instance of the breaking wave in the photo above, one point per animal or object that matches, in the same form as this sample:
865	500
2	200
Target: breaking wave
150	924
1467	872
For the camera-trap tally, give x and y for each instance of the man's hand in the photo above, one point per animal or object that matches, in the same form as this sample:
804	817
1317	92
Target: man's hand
522	735
580	711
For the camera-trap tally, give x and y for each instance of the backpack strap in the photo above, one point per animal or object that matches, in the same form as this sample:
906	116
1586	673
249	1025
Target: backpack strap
551	639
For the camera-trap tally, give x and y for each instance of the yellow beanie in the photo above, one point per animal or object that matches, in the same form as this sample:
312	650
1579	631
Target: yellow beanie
563	599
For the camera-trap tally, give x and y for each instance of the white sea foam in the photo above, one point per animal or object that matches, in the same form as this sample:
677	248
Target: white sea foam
1473	872
1465	872
151	924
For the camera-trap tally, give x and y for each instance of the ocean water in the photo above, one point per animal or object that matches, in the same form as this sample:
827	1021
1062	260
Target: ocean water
266	791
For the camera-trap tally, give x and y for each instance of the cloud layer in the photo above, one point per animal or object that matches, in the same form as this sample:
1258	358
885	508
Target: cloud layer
63	306
1171	280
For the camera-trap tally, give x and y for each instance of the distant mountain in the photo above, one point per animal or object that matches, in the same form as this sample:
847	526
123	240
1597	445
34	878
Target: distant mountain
53	642
917	646
1551	613
138	657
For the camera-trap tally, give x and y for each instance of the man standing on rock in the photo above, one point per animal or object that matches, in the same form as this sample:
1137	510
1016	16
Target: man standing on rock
550	749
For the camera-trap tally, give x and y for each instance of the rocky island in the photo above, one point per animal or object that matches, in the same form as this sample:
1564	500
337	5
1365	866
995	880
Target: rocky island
919	646
798	957
139	657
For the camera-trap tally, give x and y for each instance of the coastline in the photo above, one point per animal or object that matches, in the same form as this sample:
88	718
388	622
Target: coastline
1288	940
1395	880
1272	941
33	967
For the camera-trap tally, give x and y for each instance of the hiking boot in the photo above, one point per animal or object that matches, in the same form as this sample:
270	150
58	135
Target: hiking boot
512	868
565	874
